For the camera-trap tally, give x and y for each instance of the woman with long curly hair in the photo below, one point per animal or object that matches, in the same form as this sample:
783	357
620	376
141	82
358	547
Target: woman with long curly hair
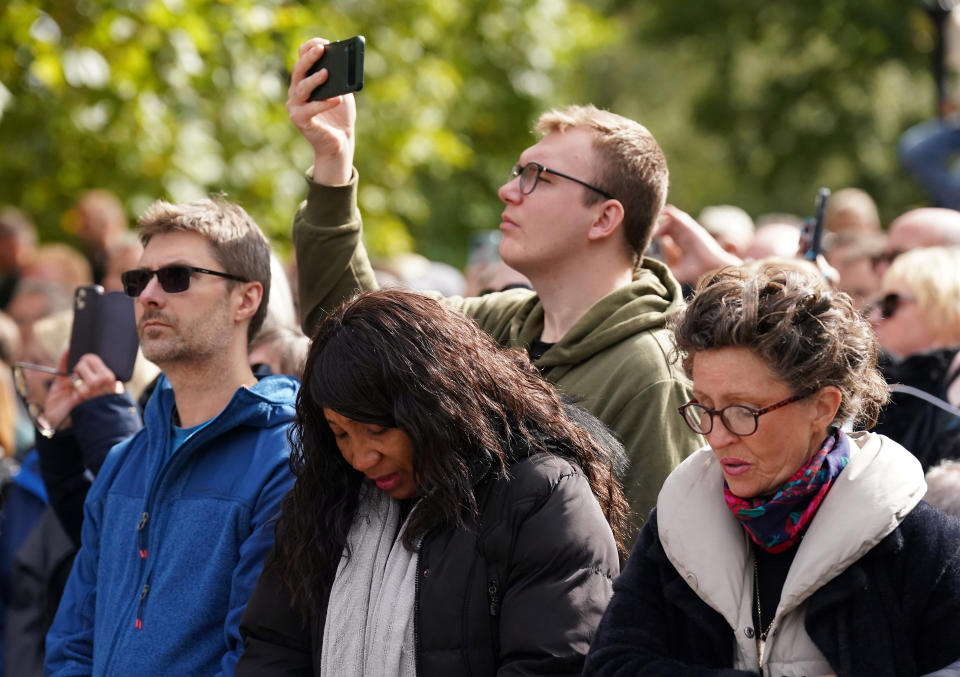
451	514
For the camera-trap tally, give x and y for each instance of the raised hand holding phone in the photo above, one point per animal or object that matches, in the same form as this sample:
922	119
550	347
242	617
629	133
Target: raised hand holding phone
811	239
328	125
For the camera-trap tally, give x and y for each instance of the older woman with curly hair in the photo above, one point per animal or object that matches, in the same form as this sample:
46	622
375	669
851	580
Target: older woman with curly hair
451	515
787	546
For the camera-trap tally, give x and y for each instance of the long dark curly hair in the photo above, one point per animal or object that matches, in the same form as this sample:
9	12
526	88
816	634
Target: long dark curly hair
400	359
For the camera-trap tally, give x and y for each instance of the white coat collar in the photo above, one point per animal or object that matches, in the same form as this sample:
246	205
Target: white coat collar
709	548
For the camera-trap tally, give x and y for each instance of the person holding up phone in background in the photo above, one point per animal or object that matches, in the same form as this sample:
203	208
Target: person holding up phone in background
86	412
578	211
696	252
99	357
78	417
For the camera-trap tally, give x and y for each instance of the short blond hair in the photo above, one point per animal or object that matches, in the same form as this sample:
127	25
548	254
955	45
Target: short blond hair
931	274
631	166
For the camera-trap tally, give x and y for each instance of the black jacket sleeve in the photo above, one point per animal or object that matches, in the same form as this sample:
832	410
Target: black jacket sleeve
276	640
562	563
896	611
651	610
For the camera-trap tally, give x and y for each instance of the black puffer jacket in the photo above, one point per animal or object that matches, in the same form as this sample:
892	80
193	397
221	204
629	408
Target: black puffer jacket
929	432
520	591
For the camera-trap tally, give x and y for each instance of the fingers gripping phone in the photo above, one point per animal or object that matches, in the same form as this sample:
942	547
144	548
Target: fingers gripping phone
344	63
104	324
813	229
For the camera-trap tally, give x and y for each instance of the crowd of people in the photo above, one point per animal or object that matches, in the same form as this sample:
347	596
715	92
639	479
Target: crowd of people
637	443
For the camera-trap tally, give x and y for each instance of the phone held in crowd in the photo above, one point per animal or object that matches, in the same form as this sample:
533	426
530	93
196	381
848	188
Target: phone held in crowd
812	236
104	324
344	63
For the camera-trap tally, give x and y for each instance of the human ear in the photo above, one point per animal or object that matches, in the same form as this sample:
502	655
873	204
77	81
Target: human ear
826	403
250	297
608	220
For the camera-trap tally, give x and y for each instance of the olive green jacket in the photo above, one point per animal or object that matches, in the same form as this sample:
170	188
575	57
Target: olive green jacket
616	361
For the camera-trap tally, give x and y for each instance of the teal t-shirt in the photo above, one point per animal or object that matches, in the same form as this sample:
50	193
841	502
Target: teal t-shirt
180	435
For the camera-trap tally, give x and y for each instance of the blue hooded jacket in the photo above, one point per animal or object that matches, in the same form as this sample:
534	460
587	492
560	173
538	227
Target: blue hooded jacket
173	543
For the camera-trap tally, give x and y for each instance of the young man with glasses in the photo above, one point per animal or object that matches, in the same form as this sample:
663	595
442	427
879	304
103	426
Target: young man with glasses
579	208
178	521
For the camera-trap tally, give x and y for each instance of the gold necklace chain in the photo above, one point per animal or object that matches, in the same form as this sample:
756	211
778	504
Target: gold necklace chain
761	632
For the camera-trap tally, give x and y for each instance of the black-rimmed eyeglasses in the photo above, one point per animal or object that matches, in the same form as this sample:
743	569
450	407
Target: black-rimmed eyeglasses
739	419
172	279
530	175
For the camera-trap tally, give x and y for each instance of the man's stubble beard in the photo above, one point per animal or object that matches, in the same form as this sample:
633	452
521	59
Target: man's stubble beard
179	345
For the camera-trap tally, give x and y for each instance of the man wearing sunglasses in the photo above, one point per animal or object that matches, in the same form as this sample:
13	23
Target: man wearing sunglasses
177	522
579	207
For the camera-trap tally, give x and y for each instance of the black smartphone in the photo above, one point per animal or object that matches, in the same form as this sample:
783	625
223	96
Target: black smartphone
813	228
344	63
104	324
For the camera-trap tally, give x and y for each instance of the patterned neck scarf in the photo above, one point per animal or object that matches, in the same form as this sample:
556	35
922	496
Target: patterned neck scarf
778	522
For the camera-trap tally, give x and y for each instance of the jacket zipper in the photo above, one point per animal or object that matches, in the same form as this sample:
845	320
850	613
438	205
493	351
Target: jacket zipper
138	624
493	597
142	551
493	604
141	547
422	571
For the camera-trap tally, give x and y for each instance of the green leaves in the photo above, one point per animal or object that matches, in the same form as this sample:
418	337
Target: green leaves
756	103
176	99
759	103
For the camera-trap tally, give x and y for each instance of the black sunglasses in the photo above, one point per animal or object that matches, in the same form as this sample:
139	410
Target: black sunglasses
530	175
173	279
890	303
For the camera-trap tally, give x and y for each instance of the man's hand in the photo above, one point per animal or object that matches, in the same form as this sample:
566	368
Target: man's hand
689	249
90	378
328	125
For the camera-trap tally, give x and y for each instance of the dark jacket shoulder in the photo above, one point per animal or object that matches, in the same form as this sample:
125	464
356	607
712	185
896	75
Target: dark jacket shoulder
895	611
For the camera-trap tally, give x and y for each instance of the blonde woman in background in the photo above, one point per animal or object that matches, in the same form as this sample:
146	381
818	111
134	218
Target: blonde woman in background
917	321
